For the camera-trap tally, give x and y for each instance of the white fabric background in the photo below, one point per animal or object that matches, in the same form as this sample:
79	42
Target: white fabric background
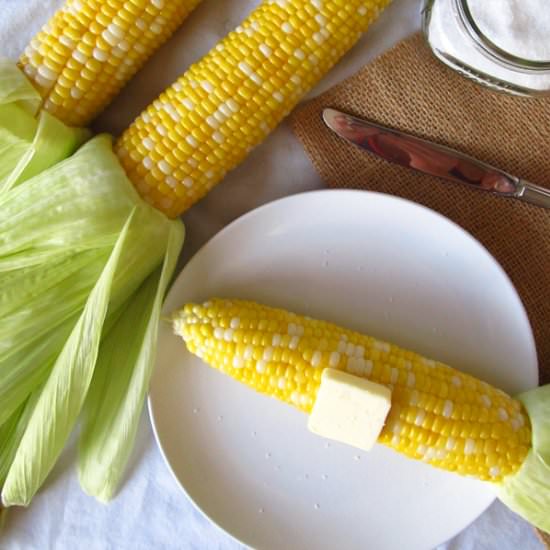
150	512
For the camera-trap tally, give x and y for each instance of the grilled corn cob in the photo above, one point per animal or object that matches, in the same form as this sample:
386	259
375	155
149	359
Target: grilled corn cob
227	103
439	415
90	48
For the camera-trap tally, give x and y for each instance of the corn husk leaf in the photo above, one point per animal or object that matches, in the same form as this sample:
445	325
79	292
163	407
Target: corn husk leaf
29	142
56	232
8	443
12	431
61	216
61	400
120	383
528	491
15	87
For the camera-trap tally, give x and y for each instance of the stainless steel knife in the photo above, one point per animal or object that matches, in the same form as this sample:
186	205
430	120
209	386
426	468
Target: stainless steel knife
431	158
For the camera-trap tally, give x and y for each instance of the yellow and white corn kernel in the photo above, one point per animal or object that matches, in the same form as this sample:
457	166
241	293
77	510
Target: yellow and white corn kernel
439	415
90	48
226	104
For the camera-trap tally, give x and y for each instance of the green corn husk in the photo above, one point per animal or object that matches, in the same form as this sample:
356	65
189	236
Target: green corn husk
63	395
9	441
30	142
120	385
528	491
64	216
12	432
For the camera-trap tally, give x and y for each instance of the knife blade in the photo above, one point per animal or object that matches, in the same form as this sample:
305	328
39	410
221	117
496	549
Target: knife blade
432	158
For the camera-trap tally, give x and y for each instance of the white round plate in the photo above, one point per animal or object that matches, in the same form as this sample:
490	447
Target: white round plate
371	262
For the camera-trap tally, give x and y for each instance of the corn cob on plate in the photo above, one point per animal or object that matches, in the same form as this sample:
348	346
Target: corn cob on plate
282	256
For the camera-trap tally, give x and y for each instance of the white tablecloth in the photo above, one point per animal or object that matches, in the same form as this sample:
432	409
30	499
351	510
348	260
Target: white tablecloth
150	512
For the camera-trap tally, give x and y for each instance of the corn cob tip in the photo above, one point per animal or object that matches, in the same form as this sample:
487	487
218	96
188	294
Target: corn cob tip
89	49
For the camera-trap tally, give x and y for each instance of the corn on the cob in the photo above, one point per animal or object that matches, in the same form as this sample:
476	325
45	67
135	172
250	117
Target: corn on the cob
223	106
440	415
90	48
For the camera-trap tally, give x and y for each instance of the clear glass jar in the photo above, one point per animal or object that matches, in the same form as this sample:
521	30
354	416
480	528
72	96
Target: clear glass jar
456	38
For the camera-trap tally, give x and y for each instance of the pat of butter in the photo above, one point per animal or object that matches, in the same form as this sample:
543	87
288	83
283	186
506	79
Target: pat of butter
349	409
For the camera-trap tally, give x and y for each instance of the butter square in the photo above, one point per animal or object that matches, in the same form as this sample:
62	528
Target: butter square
349	409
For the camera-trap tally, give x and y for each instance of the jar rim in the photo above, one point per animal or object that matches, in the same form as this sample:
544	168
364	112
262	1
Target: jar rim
493	49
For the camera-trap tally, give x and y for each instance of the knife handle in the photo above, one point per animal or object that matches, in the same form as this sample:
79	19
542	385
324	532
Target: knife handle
534	194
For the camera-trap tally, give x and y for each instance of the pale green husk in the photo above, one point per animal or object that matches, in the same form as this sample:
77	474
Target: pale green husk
528	492
76	245
12	432
29	142
60	401
56	234
120	384
9	440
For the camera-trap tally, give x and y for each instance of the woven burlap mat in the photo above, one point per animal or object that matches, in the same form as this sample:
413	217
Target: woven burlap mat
407	88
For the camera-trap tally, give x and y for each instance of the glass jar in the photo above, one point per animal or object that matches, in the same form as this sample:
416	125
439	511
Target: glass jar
455	36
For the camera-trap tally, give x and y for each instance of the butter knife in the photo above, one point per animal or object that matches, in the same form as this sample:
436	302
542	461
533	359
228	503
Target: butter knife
431	158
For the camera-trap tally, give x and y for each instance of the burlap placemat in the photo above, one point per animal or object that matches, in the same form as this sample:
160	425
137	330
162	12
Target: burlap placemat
407	88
